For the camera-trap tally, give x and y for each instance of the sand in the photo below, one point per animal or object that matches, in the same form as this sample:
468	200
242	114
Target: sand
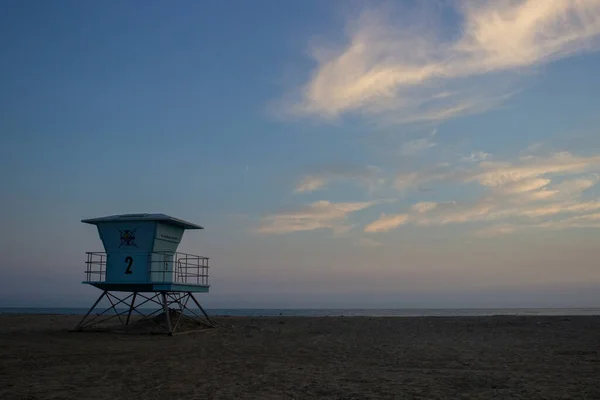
305	358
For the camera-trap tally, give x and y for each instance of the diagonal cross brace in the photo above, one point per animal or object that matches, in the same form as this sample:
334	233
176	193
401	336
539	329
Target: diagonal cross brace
162	299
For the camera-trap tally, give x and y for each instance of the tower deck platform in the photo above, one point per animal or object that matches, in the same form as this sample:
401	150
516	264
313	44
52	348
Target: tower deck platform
166	272
149	287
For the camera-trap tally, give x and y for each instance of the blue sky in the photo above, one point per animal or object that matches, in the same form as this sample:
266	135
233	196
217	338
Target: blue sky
347	154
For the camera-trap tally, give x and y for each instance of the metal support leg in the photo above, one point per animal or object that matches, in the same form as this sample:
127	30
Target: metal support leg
164	300
90	310
114	305
182	308
210	323
131	307
167	315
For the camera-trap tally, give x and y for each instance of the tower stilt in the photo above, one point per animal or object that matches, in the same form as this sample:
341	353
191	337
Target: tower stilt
131	308
165	302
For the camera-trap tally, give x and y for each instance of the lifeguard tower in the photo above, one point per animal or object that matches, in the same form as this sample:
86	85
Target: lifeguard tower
140	259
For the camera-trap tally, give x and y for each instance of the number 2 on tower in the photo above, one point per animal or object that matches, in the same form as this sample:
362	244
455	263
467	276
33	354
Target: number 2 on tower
129	261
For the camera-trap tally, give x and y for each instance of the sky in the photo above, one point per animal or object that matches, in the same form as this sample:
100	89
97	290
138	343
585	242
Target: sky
354	154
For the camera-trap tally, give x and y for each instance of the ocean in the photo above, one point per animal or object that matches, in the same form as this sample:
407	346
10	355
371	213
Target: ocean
256	312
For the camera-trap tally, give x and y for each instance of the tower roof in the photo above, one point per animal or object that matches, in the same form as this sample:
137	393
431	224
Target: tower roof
143	217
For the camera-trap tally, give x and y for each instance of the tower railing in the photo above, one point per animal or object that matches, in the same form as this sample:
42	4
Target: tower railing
95	267
177	267
162	267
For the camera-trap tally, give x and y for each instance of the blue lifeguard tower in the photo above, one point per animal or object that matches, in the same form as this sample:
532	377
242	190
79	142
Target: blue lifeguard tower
140	258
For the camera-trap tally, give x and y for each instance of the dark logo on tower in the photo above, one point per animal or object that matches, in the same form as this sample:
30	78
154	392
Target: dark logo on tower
127	238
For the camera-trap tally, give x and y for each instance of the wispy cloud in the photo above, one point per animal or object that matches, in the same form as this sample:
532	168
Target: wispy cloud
506	175
311	183
387	222
533	191
398	65
318	215
369	177
580	221
424	206
416	146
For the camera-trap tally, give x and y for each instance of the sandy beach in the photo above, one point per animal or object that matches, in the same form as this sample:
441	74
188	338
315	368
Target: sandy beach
305	358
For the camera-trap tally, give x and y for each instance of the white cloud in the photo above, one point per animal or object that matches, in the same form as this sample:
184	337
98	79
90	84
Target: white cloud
509	34
311	183
424	206
524	185
369	177
500	174
318	215
396	65
387	222
560	208
579	221
533	191
521	175
574	187
542	191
